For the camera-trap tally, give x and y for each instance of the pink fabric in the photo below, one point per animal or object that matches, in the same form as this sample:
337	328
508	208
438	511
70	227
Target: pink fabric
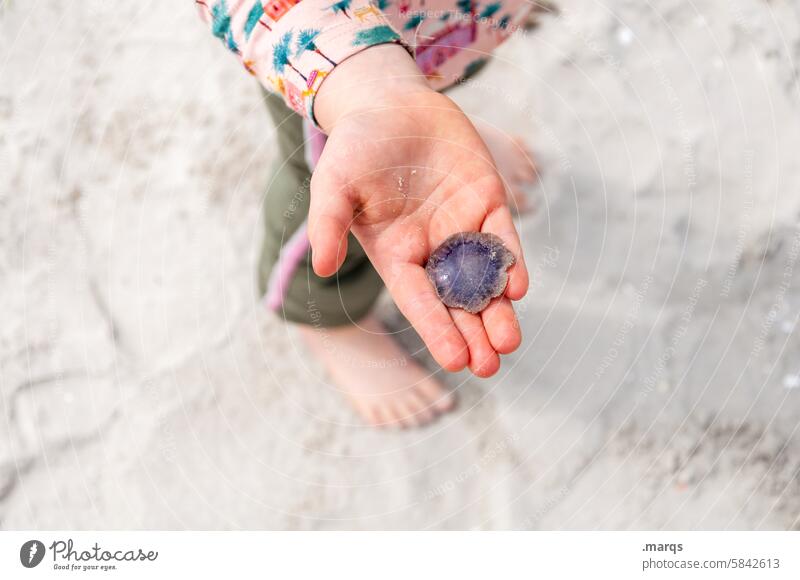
315	142
293	252
292	45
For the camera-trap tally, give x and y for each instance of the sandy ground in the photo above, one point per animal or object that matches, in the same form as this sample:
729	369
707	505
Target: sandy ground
142	385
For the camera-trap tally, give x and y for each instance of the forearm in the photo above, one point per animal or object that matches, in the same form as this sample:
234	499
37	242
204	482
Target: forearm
365	81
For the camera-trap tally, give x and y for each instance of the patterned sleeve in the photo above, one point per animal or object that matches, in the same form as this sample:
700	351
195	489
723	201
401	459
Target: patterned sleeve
292	45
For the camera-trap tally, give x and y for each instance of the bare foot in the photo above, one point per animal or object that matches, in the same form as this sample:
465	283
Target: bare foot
514	163
382	382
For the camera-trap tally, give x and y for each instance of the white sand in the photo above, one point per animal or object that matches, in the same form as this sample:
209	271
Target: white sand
659	382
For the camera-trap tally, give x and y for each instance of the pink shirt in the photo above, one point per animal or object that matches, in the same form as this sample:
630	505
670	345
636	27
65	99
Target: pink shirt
292	45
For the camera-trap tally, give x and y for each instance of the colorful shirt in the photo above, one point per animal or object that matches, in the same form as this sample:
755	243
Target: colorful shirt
292	45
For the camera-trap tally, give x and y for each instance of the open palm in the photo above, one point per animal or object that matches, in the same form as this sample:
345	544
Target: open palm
403	178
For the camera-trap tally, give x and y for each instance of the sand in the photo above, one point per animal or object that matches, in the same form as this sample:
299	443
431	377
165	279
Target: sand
142	385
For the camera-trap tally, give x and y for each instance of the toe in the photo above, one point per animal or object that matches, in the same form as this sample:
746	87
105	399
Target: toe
436	396
367	412
403	416
445	402
386	415
375	418
423	411
405	413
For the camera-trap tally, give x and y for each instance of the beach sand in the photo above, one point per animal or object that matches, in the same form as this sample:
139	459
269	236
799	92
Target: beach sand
142	384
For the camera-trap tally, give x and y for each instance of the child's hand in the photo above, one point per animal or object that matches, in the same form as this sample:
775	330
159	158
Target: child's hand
403	169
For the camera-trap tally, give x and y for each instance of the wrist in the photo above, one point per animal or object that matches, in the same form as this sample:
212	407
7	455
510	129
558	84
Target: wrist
364	81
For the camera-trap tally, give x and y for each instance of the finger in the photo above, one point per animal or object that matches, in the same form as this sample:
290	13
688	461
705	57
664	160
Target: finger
329	219
483	360
416	299
500	223
502	326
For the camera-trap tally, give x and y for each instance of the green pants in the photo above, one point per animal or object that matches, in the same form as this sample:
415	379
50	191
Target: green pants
286	278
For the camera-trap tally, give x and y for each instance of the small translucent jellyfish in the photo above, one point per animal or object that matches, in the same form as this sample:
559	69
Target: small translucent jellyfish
469	269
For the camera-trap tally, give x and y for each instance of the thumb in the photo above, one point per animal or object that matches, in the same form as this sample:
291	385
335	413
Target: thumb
329	218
